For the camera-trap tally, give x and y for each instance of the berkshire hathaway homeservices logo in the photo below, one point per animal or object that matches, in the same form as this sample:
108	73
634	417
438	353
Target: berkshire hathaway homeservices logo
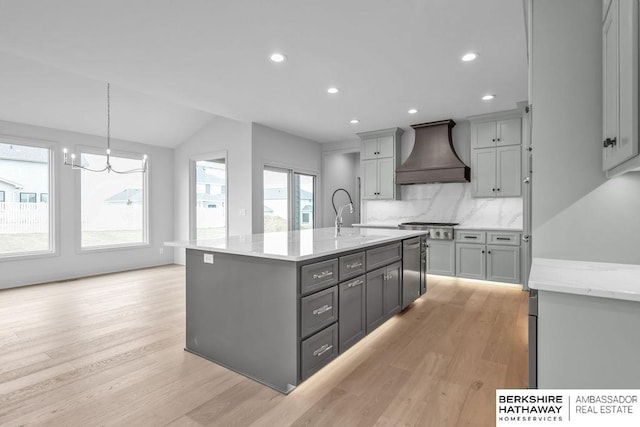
580	408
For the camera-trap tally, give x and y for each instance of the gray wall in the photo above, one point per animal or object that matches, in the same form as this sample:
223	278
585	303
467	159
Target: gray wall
577	213
276	148
220	134
339	170
69	262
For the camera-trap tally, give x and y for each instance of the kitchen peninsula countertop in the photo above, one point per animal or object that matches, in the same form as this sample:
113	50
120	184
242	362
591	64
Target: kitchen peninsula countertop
596	279
298	245
457	227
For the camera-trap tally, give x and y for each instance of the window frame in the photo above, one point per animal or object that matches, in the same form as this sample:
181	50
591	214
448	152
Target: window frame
133	155
292	171
4	197
193	214
54	226
25	193
47	197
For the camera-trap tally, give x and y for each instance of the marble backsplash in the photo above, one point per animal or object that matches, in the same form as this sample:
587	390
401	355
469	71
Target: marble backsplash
445	203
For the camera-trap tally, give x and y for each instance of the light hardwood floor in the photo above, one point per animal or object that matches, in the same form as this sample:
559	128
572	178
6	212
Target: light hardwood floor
108	350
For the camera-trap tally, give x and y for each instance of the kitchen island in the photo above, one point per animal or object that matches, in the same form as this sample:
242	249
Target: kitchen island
277	307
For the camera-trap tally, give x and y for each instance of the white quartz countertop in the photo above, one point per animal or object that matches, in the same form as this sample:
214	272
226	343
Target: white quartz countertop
484	227
457	227
374	225
298	245
596	279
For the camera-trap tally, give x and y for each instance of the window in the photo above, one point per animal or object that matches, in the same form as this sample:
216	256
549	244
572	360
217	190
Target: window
210	213
288	207
25	226
113	207
27	197
44	197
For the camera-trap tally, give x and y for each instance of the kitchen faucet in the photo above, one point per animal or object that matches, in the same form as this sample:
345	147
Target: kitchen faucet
338	223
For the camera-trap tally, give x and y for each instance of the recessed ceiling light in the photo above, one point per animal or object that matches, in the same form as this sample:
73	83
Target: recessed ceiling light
354	121
333	90
412	111
277	57
488	97
469	56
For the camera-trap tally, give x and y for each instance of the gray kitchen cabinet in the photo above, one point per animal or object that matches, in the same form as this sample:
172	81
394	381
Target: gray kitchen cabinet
620	85
471	261
503	263
441	257
476	259
352	302
496	155
382	294
380	155
496	133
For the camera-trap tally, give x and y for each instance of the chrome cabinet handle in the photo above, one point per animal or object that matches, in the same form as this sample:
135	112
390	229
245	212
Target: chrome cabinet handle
322	309
323	274
355	283
503	238
322	350
609	141
525	238
354	265
470	237
526	180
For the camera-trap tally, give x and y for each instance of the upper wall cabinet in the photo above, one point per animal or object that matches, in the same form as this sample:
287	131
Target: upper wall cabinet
380	155
620	87
496	133
496	152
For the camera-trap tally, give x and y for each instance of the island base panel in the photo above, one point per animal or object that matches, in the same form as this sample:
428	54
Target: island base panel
242	314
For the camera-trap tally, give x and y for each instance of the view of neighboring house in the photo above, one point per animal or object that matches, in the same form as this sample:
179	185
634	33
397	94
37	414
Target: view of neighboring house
23	174
276	204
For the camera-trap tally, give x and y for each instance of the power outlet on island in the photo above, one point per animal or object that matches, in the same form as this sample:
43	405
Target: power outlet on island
208	258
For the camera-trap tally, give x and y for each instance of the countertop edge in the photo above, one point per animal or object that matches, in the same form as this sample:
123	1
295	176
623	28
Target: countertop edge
586	278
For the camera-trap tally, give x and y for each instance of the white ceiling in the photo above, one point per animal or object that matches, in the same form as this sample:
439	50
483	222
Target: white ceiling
176	63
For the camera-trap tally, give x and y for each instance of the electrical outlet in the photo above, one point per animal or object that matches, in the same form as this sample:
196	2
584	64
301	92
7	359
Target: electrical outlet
208	258
243	212
161	251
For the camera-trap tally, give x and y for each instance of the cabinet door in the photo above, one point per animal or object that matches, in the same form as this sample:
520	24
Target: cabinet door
386	179
441	257
610	84
503	263
483	172
374	295
509	132
385	146
508	176
627	141
483	135
352	316
470	261
391	289
369	179
369	148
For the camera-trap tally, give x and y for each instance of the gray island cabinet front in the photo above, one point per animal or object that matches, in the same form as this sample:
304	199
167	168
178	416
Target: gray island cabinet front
280	321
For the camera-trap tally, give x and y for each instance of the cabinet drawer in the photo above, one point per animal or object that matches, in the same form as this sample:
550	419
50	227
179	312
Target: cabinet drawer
503	238
352	265
384	255
318	310
314	277
318	350
471	236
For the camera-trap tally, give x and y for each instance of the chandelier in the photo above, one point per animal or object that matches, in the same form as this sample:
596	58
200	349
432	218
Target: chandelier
107	167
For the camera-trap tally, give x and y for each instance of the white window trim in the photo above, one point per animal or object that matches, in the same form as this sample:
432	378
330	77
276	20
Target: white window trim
78	208
54	243
192	189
